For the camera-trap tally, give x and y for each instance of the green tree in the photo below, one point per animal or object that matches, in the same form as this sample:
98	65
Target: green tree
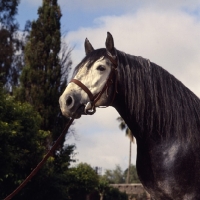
114	176
21	142
103	187
52	180
115	194
10	62
133	174
81	181
107	192
22	146
129	134
41	82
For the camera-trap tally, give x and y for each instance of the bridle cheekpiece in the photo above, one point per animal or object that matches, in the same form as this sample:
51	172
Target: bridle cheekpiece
90	107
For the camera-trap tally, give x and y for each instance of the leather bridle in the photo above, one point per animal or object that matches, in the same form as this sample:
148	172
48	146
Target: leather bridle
90	107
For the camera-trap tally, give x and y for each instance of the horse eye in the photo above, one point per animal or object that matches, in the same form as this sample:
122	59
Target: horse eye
101	68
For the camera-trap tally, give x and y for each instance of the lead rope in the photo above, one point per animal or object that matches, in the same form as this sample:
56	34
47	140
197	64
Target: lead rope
33	173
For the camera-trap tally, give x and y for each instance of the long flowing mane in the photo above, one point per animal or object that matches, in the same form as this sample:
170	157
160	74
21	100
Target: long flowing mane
160	102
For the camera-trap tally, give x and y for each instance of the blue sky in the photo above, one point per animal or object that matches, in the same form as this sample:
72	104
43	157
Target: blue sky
77	13
73	17
167	32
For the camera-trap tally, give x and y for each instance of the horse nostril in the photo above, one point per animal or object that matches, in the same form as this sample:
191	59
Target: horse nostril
69	101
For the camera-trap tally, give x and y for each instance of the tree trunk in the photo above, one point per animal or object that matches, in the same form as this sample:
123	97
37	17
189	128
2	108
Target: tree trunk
129	164
101	196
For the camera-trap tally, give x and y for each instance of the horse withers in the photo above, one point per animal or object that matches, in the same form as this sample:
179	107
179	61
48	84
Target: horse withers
163	115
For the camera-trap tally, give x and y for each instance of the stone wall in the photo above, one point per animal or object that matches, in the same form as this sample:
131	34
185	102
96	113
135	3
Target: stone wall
134	191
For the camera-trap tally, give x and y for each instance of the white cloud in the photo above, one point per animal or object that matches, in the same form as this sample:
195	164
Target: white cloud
168	38
100	142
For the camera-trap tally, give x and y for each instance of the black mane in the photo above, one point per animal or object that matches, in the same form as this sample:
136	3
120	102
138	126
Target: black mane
160	103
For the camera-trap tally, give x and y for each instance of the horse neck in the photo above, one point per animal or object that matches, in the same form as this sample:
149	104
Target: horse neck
154	103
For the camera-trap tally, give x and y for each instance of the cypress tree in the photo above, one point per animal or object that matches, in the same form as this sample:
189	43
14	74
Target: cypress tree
10	63
41	77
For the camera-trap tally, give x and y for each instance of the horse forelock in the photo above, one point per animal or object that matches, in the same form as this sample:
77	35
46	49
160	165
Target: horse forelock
90	59
160	103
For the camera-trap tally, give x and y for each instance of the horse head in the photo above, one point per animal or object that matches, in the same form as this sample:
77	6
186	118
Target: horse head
93	82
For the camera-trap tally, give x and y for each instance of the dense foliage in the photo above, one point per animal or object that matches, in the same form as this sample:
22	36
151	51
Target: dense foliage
10	44
41	80
82	180
117	175
85	183
22	142
133	174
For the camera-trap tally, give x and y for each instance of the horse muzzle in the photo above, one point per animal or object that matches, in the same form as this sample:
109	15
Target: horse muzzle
70	107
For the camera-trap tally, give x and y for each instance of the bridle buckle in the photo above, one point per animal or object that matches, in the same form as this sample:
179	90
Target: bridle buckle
90	108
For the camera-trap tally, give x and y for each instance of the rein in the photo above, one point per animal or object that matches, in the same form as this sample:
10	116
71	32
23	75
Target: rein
33	173
90	108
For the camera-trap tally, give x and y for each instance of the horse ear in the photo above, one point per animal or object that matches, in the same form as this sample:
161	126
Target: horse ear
88	47
110	44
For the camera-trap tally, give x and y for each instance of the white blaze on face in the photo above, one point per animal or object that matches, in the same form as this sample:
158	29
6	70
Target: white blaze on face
93	78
